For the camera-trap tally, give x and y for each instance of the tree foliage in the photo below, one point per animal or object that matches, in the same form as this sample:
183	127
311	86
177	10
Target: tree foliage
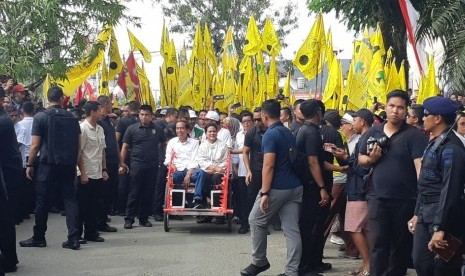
47	36
444	20
358	14
219	14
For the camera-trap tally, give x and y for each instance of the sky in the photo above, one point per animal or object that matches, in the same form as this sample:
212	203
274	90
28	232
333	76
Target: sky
152	21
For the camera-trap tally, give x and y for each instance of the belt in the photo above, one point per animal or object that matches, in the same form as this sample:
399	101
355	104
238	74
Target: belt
426	199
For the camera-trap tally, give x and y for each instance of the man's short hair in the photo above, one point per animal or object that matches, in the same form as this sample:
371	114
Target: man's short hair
398	94
54	94
257	109
134	106
245	114
91	106
146	107
82	102
288	111
272	108
297	102
310	108
171	111
186	124
103	99
28	108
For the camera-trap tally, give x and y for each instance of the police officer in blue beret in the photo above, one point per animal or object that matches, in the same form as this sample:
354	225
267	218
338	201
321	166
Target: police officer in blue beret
440	207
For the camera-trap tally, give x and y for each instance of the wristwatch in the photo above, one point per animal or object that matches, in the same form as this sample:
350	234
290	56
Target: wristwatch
264	194
436	228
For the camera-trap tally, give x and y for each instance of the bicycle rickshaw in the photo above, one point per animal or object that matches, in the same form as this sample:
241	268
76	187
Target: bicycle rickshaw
176	196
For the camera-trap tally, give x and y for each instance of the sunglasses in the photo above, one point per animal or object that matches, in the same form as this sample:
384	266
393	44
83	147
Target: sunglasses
257	119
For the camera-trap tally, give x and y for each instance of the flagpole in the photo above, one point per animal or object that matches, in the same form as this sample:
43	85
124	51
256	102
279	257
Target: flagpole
256	71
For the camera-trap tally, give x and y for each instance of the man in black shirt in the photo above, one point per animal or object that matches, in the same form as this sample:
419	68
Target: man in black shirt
253	161
51	176
109	189
315	200
299	118
9	153
392	190
132	117
143	139
168	124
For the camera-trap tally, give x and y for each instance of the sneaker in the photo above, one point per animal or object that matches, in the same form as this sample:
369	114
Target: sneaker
336	240
82	241
253	270
128	225
145	223
107	228
95	238
71	244
33	243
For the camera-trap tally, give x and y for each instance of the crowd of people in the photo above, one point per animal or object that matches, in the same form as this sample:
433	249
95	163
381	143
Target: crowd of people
386	183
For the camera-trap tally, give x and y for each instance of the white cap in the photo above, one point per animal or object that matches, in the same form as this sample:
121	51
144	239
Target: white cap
347	118
192	114
212	115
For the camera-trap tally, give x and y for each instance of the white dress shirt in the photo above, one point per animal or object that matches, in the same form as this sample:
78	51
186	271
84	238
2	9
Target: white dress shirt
184	153
212	154
92	147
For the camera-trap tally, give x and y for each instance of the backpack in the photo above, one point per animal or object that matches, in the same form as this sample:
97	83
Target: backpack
296	157
63	137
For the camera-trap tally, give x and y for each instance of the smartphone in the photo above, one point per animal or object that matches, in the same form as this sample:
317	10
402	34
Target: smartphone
329	147
218	97
345	99
236	105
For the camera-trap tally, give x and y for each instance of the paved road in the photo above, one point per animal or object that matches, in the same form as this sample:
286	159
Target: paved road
188	249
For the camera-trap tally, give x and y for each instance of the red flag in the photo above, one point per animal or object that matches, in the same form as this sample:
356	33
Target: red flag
122	80
79	95
89	92
131	66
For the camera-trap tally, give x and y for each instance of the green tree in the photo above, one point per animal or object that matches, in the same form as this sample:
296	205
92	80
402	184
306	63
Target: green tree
219	14
358	14
444	20
47	36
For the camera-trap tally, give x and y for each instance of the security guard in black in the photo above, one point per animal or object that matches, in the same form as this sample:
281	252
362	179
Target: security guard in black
440	206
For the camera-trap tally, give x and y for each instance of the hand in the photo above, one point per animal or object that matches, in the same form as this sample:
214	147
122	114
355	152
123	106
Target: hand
84	178
219	170
29	172
412	224
286	101
343	169
248	178
340	153
209	171
437	241
375	154
105	176
324	197
123	168
264	204
186	180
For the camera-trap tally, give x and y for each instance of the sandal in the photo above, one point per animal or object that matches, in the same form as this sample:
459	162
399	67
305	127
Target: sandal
356	271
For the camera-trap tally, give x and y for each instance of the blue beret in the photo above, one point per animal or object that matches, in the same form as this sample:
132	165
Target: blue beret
440	106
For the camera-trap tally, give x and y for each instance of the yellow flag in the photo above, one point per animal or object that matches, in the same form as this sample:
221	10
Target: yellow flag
393	82
387	63
260	95
171	73
287	86
104	90
184	82
361	68
137	45
198	50
165	41
329	48
163	94
333	85
402	78
104	35
430	87
377	42
230	56
376	80
197	69
307	59
272	86
45	88
209	52
144	85
229	89
247	74
115	62
253	41
270	39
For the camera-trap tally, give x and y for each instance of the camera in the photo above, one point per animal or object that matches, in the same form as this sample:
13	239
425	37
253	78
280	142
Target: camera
280	97
382	142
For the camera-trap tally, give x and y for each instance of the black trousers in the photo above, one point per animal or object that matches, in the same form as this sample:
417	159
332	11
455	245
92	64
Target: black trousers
50	179
107	192
389	238
88	198
424	260
141	189
7	234
312	228
240	197
14	186
159	193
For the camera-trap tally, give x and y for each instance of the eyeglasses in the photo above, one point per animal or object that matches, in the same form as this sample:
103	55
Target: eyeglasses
246	121
257	119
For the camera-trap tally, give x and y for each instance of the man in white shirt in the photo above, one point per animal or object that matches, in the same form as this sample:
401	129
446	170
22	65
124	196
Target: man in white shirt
92	171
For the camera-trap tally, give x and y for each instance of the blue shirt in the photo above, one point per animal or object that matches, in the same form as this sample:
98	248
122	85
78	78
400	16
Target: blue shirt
278	139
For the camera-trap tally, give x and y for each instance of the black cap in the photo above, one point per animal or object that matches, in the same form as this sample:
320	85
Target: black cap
366	115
